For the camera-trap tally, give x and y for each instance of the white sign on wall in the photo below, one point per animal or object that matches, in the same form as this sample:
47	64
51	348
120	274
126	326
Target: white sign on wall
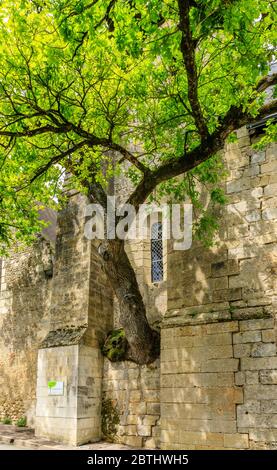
55	387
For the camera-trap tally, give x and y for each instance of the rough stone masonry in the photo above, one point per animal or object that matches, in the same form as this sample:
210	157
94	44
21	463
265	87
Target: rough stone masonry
215	385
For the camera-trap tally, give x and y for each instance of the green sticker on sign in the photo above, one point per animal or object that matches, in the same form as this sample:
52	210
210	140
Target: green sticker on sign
51	384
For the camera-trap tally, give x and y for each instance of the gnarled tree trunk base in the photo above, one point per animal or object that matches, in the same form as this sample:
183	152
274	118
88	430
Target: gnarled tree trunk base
140	344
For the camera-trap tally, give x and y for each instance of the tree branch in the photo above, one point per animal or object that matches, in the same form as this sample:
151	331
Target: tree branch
266	82
52	161
188	51
40	130
234	119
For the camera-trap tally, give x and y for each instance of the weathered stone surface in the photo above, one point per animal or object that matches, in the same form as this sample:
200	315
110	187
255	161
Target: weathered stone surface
247	337
256	324
242	350
239	378
268	336
218	361
269	406
252	377
259	363
237	441
268	376
263	350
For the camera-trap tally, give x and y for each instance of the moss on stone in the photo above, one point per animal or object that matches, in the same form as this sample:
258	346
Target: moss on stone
115	345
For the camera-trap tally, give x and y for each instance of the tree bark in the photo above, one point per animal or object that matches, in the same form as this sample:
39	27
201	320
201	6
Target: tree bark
143	342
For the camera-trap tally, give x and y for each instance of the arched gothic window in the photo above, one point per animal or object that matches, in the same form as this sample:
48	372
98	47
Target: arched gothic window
157	269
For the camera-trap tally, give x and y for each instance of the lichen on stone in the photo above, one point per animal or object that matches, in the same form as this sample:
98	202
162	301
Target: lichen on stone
115	345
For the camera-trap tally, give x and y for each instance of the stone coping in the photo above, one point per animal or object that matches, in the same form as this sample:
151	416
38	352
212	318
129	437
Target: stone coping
66	336
213	317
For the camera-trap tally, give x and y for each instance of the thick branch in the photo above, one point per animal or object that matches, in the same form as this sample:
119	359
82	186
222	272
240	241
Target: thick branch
266	82
129	156
39	130
188	52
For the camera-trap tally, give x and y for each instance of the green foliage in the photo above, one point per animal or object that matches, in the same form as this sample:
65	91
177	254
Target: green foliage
110	419
6	420
115	345
21	422
114	70
269	136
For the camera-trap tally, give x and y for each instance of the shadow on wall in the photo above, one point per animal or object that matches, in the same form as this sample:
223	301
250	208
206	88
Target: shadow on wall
237	275
23	327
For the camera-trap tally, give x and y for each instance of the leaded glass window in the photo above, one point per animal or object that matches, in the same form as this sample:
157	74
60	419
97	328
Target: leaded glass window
157	269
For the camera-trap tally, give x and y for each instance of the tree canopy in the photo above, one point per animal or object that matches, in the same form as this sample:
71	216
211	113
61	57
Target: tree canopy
158	83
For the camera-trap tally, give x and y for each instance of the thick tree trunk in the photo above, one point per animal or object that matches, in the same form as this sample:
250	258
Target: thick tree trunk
143	342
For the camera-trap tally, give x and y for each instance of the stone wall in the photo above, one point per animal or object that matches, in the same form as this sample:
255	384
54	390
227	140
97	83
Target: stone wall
134	392
218	385
24	321
80	316
218	363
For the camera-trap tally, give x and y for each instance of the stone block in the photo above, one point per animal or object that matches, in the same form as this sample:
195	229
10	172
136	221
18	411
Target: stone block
134	441
269	336
144	430
251	406
258	363
260	392
237	441
227	294
250	420
253	216
135	396
269	406
270	190
252	377
132	419
218	328
153	408
220	365
251	312
151	395
179	395
223	268
130	430
223	379
137	408
150	420
268	377
151	443
263	349
242	350
263	435
247	337
238	185
258	157
186	411
269	167
239	378
269	213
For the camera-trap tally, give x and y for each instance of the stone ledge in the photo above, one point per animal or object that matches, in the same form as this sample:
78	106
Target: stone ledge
212	317
67	336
